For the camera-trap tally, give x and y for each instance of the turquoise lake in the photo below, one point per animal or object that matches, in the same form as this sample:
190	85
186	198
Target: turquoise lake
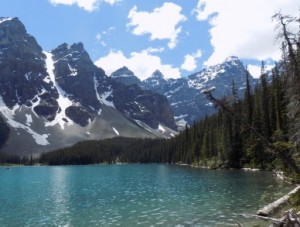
132	195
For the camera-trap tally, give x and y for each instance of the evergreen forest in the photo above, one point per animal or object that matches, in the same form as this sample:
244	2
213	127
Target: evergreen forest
262	130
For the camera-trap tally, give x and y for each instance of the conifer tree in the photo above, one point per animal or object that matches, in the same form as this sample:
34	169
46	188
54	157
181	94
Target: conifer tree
248	100
265	99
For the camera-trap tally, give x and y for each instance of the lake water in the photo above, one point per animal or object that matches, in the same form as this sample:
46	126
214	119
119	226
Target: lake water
131	195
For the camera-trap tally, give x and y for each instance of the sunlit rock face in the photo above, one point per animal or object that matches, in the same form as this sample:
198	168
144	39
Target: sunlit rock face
54	99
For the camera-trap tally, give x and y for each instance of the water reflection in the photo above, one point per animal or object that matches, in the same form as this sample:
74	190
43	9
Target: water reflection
59	195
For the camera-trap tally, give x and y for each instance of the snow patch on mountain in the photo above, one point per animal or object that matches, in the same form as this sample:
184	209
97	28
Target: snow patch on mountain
3	19
143	125
27	75
116	131
103	97
73	70
96	84
9	115
142	109
180	121
39	139
63	100
232	60
161	128
124	75
28	119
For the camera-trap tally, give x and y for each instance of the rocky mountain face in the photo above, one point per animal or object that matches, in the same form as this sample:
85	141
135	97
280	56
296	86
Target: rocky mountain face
23	72
54	99
185	94
126	76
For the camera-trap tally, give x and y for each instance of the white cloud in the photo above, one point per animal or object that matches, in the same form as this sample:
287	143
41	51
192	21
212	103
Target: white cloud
255	70
100	40
112	2
161	23
100	36
155	50
88	5
189	63
143	64
243	28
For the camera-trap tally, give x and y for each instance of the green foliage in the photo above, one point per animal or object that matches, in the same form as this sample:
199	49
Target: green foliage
109	151
295	200
295	178
268	197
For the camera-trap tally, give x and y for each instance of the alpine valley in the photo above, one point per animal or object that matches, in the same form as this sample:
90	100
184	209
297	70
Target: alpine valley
54	99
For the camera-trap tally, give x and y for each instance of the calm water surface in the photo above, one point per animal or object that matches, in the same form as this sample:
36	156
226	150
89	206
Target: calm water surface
131	195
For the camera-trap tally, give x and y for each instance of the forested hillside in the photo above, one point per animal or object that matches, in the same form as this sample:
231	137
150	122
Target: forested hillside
261	131
220	141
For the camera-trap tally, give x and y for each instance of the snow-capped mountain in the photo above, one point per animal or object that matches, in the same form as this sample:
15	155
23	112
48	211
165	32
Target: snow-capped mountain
126	76
185	94
54	99
156	82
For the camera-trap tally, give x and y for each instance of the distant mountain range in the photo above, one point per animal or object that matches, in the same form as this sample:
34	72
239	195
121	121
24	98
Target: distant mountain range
55	99
185	94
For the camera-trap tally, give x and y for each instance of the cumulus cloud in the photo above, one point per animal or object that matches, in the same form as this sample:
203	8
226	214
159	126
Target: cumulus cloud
143	64
189	63
255	70
88	5
162	23
243	28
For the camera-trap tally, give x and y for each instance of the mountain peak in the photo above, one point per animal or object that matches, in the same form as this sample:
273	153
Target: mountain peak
74	47
72	52
157	74
122	72
77	47
232	60
13	30
3	19
12	22
125	76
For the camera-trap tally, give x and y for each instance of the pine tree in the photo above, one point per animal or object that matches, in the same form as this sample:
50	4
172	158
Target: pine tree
265	99
248	100
196	150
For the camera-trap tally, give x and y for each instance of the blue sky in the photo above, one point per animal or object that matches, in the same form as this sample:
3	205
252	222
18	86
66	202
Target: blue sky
178	37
